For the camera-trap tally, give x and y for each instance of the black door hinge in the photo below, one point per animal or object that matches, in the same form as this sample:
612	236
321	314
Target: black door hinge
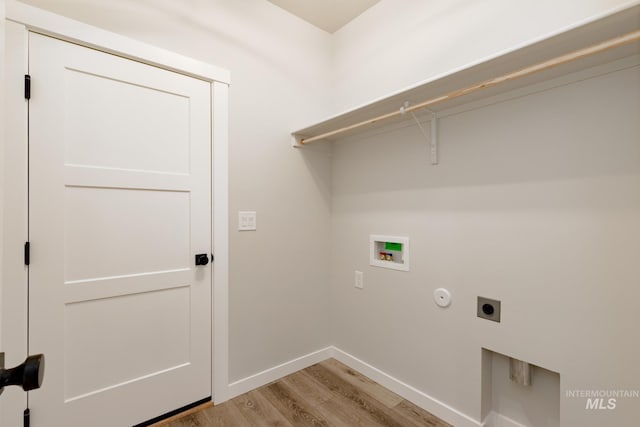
27	253
27	86
27	418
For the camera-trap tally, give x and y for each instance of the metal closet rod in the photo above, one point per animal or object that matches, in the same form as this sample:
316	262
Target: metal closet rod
563	59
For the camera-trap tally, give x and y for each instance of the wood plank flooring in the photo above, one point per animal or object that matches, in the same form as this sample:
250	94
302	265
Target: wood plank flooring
326	394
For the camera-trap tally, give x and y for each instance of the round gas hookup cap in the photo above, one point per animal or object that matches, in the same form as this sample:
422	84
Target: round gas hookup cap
442	297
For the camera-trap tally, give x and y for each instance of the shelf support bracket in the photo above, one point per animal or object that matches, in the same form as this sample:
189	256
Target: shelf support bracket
433	140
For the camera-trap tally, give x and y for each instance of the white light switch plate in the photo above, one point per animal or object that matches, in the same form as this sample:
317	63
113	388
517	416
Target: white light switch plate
246	220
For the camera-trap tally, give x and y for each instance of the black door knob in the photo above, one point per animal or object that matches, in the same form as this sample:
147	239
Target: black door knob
202	259
28	375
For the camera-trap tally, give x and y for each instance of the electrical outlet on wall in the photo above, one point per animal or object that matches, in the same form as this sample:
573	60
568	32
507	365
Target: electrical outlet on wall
359	280
489	309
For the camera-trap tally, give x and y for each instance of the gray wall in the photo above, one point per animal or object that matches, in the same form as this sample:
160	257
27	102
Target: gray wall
536	202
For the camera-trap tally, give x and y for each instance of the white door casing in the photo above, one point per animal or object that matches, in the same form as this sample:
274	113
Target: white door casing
119	205
15	228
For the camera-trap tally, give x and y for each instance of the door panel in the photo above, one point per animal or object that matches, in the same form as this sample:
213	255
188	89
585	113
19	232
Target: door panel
152	225
120	203
140	141
102	346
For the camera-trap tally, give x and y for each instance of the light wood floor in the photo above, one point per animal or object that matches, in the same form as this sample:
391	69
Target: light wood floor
325	394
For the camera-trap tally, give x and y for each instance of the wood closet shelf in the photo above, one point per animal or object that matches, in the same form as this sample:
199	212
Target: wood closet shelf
591	33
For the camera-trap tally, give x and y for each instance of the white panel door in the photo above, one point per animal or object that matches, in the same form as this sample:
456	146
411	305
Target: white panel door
120	204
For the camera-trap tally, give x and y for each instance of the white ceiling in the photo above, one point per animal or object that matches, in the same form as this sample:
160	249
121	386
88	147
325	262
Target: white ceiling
329	15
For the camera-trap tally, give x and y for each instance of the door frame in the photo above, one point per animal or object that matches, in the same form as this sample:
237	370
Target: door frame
21	19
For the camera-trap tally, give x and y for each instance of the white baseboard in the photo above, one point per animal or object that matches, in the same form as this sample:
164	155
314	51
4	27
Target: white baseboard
426	402
272	374
495	419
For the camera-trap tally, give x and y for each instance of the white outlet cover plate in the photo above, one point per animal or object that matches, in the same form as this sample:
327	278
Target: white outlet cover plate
442	297
359	280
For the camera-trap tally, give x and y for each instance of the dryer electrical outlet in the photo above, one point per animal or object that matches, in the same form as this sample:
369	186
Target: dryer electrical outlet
489	309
